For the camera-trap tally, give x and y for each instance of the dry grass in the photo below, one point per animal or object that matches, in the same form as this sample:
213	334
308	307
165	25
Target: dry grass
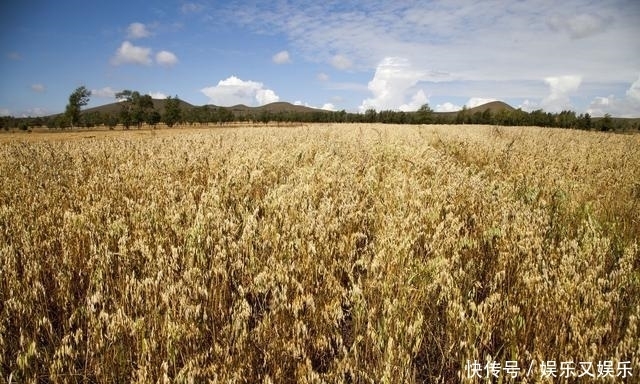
344	253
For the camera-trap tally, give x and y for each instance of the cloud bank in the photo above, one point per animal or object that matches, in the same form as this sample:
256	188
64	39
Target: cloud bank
514	50
626	106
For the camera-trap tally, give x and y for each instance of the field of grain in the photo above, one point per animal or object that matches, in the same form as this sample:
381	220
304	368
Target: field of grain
326	253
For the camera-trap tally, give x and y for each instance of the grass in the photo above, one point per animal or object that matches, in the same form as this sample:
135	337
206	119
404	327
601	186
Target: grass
335	253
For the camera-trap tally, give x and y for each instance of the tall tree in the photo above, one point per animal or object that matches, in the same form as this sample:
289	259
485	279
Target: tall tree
136	108
78	99
424	115
172	111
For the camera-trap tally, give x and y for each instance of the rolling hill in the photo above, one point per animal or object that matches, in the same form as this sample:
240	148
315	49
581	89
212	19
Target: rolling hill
115	108
281	107
493	106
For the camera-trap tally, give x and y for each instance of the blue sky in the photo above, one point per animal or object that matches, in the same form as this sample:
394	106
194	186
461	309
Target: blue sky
575	54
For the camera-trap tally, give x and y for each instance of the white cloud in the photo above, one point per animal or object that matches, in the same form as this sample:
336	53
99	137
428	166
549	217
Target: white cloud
106	92
418	100
477	101
523	41
341	62
325	106
233	91
266	96
634	90
137	31
394	81
130	54
322	76
528	106
157	95
447	107
560	88
5	112
328	107
627	106
281	57
14	56
38	88
166	58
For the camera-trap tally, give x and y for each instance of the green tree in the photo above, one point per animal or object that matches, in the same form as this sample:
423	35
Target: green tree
606	124
370	115
172	112
126	99
112	121
462	116
424	115
136	108
153	118
78	99
587	121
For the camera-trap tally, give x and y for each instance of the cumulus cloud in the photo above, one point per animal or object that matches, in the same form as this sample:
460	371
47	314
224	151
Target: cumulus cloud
634	90
137	31
477	101
233	91
341	62
627	106
5	112
418	100
325	106
393	82
528	105
281	57
131	54
157	95
106	92
447	107
266	96
166	58
37	88
328	107
560	87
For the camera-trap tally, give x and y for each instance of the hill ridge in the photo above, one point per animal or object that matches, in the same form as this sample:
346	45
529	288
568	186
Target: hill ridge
279	107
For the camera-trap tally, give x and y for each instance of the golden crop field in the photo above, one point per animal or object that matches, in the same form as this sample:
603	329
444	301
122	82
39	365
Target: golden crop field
324	253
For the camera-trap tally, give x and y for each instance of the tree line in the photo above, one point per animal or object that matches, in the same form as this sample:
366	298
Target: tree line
136	109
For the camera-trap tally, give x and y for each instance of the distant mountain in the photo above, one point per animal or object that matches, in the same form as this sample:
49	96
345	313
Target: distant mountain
238	110
115	108
494	107
279	107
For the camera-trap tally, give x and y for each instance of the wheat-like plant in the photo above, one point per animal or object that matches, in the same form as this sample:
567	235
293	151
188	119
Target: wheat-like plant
323	253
